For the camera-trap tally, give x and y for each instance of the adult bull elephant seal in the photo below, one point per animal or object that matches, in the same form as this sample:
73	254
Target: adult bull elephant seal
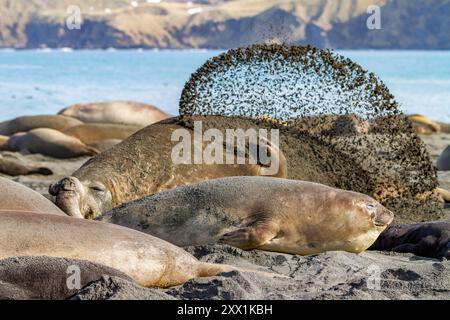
27	123
51	143
149	261
443	162
17	197
264	213
139	166
427	239
93	132
56	278
19	168
123	112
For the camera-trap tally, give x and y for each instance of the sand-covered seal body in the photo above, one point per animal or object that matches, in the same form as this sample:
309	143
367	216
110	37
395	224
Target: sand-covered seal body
27	123
17	197
259	212
93	132
139	166
149	261
51	143
121	112
427	239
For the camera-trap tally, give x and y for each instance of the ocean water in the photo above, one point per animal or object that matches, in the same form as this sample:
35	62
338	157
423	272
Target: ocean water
43	82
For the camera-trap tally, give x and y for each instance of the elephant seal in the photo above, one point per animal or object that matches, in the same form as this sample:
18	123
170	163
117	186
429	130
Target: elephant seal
139	166
263	213
93	132
443	162
424	125
426	239
56	280
15	196
27	123
51	143
19	168
149	261
104	145
3	142
121	112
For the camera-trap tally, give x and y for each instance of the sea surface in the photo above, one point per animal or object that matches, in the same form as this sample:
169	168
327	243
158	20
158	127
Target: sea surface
43	82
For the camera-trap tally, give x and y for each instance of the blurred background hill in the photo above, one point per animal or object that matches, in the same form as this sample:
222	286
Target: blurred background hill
221	24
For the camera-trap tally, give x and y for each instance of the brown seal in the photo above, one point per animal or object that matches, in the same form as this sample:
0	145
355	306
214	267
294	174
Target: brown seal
93	132
51	143
427	239
27	123
139	166
443	162
264	213
122	112
56	281
149	261
17	167
14	196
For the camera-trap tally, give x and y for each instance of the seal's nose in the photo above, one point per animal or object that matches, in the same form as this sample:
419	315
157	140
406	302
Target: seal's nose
383	217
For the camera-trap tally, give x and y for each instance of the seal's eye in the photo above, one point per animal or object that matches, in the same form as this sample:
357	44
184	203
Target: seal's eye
370	206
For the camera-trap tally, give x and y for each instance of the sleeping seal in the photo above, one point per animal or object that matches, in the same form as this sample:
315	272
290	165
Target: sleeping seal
51	143
149	261
17	197
121	112
143	165
17	167
271	214
27	123
427	239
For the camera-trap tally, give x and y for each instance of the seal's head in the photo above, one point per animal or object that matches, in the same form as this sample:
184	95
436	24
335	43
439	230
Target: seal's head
364	219
87	199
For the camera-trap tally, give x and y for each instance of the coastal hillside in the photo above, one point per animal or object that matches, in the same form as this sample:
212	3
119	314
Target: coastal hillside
224	24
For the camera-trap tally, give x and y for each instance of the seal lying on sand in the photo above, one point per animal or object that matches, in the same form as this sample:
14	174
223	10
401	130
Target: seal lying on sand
51	143
139	166
123	112
443	162
149	261
94	132
427	239
55	280
27	123
271	214
104	145
14	196
19	168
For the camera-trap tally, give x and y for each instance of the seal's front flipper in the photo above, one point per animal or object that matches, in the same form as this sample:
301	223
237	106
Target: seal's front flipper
249	237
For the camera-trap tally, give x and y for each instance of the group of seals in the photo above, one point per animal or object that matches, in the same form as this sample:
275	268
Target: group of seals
79	130
264	213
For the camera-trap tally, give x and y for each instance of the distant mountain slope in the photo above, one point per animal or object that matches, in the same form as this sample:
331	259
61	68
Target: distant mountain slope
406	24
